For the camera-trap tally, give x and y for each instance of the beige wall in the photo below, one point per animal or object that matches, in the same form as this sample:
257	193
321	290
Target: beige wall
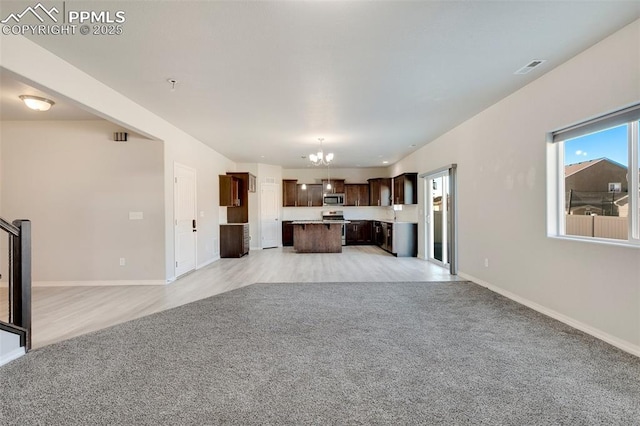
502	156
77	187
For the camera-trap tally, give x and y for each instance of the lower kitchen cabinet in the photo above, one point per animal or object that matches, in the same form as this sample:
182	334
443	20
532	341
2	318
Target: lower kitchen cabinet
234	240
287	233
358	232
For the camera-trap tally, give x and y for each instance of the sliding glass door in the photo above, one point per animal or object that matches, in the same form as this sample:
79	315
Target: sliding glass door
440	225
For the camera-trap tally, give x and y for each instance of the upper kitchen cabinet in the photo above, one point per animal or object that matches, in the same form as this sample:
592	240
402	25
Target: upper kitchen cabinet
289	193
315	195
240	212
380	192
311	196
405	189
229	191
356	194
337	186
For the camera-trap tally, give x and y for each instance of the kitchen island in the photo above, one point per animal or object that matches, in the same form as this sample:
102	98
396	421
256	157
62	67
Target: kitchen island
318	236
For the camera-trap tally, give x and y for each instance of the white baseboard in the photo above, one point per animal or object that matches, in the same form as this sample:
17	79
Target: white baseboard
597	333
14	354
101	283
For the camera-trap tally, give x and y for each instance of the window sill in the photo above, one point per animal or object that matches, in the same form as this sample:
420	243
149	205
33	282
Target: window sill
592	240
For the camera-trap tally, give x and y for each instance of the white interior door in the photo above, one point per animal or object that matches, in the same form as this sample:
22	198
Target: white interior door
270	214
185	218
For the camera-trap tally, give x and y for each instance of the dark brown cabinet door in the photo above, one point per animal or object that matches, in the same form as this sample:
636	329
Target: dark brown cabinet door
405	189
337	186
398	189
351	194
363	194
380	192
302	196
356	194
359	232
315	195
234	240
229	191
374	192
287	233
289	193
240	213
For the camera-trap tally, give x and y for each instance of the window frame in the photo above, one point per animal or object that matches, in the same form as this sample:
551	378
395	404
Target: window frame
556	226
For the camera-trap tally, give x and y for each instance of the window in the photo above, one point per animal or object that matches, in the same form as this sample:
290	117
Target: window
594	182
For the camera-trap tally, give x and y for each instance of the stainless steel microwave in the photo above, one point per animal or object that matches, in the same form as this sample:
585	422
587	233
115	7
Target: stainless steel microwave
333	200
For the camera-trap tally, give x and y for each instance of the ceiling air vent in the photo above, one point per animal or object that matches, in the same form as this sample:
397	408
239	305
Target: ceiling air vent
530	66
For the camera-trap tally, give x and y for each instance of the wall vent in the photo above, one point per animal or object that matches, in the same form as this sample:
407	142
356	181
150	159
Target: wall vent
120	136
269	180
530	66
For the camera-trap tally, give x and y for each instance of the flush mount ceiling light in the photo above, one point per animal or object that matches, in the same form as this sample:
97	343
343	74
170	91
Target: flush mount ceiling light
319	158
37	103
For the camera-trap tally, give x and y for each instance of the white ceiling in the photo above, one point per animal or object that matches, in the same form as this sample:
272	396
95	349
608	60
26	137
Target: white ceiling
261	81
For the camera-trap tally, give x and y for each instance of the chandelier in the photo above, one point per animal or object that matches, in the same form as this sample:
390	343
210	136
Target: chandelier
320	158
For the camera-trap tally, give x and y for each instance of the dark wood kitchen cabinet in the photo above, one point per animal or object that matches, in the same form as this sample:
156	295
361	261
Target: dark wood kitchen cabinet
358	232
234	240
287	233
309	197
289	193
240	212
229	191
380	192
405	189
337	186
356	194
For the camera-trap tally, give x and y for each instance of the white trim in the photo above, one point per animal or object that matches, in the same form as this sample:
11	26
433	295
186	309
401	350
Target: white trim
596	240
597	333
208	262
13	355
101	283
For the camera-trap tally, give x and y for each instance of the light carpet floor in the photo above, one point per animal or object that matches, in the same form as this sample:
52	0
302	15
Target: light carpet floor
446	353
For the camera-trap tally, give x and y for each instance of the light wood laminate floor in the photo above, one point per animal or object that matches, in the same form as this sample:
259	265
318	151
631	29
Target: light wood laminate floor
60	313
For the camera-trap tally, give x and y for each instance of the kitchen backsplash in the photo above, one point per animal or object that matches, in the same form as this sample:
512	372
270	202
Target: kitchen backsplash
409	213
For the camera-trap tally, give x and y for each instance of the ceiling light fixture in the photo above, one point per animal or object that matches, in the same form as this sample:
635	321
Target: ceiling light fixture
37	103
319	158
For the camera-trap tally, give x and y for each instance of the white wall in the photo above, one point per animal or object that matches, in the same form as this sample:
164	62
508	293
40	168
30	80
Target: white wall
51	74
501	157
77	186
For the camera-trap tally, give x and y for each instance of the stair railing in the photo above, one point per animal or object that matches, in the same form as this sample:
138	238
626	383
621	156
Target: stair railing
19	232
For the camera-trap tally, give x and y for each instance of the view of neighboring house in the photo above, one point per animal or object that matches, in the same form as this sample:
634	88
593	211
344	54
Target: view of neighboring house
596	187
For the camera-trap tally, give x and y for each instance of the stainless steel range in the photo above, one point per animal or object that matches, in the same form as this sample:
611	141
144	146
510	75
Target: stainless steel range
336	215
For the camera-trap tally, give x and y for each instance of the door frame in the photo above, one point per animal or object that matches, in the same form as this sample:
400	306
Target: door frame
452	214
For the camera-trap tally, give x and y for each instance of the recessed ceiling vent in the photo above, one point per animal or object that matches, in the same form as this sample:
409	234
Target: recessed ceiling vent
530	66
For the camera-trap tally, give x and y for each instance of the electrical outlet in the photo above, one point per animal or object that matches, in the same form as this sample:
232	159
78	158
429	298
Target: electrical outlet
486	262
122	261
